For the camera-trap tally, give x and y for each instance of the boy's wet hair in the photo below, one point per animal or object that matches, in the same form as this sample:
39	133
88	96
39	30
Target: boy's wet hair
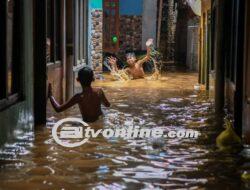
130	55
85	76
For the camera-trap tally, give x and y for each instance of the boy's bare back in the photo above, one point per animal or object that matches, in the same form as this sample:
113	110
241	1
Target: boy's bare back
89	100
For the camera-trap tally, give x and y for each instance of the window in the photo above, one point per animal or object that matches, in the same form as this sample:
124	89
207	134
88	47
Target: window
53	31
80	31
10	66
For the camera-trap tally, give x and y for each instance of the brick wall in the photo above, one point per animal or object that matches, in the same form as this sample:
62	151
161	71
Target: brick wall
130	33
96	39
168	29
173	39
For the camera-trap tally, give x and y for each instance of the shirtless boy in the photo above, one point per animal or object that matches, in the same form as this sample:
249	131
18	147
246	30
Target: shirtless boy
89	100
135	67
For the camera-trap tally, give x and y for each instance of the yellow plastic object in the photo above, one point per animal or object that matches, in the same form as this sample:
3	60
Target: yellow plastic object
228	138
245	176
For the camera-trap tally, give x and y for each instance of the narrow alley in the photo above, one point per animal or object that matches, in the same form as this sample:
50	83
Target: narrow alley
124	94
130	164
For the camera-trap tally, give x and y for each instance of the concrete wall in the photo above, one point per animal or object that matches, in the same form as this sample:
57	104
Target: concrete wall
17	120
149	21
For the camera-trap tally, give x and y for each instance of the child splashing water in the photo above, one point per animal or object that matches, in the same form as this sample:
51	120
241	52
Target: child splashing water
135	67
156	58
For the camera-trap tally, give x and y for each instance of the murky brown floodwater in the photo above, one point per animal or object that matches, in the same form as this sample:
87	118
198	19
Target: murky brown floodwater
37	162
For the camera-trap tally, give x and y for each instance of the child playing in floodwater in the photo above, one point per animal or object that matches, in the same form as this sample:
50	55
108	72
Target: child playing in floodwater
135	67
89	100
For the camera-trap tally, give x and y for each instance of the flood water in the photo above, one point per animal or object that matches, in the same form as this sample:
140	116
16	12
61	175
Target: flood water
35	161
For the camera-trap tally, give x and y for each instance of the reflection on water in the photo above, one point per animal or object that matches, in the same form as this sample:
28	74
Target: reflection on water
129	164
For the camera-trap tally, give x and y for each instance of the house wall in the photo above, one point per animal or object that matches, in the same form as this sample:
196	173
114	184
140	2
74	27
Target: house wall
204	67
236	65
206	63
55	60
130	33
130	25
185	13
246	86
55	76
228	53
17	120
149	21
168	30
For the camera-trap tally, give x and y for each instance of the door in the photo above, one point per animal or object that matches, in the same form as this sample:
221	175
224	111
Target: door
111	26
246	93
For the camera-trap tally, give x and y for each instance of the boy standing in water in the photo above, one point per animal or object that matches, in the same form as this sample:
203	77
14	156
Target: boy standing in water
135	67
89	100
